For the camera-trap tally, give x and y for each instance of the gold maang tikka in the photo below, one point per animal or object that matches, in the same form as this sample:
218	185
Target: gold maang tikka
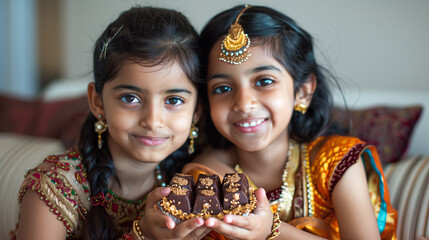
235	46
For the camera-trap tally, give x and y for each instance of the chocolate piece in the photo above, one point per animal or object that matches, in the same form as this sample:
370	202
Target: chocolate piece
182	195
208	182
235	190
207	196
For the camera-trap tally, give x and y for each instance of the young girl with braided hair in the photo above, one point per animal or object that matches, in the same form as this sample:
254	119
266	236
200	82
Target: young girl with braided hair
270	108
143	106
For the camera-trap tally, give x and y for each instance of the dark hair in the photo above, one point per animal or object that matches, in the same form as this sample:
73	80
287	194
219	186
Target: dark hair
148	36
291	46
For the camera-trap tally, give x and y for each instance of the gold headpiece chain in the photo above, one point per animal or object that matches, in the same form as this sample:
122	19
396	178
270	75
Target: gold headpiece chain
235	46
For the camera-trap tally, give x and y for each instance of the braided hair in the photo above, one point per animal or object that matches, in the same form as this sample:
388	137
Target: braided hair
149	36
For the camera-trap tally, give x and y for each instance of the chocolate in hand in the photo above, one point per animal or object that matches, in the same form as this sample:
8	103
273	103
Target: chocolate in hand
182	195
235	190
208	182
207	196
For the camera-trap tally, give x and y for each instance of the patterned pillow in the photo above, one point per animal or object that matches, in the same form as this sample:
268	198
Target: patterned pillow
61	119
388	128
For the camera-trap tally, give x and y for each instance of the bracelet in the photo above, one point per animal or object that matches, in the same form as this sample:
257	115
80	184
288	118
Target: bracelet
137	230
127	236
275	229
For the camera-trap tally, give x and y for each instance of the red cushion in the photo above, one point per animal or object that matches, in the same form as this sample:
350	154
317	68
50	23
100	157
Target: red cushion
388	128
61	119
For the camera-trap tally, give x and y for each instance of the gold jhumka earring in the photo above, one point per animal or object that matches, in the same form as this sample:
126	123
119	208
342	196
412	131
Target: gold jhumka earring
235	46
302	108
193	134
100	127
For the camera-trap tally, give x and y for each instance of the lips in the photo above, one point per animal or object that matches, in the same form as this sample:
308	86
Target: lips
152	141
250	126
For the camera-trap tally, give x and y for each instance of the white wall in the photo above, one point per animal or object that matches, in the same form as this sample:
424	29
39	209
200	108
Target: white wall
377	49
372	44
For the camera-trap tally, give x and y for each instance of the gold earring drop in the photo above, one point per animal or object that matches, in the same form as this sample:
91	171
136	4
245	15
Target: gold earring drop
193	134
100	127
302	108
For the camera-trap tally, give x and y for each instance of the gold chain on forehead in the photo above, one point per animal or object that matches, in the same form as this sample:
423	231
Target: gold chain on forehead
235	46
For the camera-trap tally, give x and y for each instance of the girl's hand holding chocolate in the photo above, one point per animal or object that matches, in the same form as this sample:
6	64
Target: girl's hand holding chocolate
257	225
156	225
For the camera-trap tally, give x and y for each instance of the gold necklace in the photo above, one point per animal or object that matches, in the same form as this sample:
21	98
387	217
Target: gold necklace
284	202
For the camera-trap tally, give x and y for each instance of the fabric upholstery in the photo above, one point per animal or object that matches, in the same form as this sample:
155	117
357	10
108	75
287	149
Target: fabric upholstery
18	153
408	182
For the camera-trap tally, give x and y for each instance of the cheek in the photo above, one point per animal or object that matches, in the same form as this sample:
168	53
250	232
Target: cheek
122	119
281	103
217	111
180	125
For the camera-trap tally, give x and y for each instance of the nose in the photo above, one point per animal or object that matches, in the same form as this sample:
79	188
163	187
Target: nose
245	101
152	116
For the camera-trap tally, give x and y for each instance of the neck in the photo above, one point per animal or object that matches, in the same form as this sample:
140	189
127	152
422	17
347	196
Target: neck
269	161
134	179
135	182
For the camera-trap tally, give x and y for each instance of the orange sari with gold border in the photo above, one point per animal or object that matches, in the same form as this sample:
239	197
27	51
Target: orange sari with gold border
328	159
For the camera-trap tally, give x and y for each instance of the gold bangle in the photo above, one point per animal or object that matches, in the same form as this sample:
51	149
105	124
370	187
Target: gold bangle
137	230
275	229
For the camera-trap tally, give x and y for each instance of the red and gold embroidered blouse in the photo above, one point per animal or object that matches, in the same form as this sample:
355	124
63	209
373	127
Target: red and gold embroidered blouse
61	182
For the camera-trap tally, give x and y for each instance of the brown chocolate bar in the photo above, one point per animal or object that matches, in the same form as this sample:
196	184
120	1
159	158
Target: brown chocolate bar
235	190
182	192
207	196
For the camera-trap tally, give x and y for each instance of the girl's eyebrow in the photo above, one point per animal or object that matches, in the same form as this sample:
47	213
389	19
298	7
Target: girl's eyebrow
128	87
210	77
251	71
178	90
137	89
263	68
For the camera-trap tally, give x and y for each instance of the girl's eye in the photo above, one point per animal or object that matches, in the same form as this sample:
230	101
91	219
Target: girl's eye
221	89
174	101
264	82
130	99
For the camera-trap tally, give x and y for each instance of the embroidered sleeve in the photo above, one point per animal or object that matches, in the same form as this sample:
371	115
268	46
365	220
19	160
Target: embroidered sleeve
334	157
61	183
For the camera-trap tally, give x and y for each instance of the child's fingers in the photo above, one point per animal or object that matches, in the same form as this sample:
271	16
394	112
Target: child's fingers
255	225
228	230
262	210
239	221
262	204
157	194
190	228
164	221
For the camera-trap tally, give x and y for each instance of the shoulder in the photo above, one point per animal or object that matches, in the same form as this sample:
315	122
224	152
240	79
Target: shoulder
327	142
35	210
331	156
60	181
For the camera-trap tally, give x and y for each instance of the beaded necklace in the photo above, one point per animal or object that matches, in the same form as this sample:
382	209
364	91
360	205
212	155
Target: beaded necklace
160	182
124	211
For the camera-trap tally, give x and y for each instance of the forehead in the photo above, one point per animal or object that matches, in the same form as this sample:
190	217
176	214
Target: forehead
261	55
162	75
